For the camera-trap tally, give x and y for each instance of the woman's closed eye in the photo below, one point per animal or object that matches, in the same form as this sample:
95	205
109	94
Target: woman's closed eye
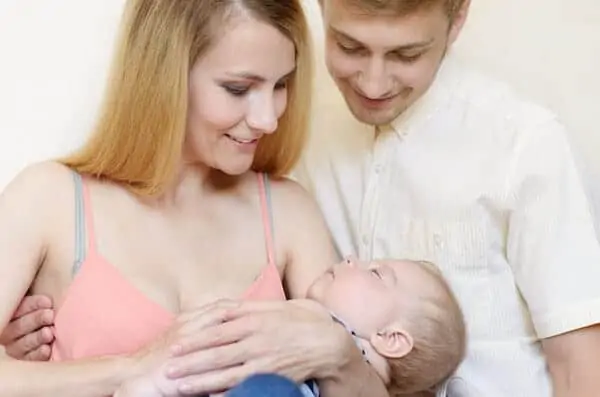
240	90
236	90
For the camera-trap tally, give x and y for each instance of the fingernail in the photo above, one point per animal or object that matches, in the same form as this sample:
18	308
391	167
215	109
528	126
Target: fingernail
171	372
185	388
48	317
176	350
47	335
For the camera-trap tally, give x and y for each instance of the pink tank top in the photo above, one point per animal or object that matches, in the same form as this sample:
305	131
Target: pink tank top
104	314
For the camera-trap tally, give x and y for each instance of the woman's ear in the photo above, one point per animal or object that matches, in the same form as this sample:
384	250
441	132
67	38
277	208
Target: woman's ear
392	342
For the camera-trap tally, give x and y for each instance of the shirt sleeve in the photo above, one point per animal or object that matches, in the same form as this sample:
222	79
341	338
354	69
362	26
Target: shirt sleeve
552	244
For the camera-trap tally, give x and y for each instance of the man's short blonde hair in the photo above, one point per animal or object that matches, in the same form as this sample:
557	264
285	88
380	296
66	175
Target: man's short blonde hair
405	7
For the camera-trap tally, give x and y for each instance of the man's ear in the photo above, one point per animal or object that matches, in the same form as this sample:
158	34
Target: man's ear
459	21
392	342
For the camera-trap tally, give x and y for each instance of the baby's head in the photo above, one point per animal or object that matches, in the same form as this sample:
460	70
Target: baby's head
407	313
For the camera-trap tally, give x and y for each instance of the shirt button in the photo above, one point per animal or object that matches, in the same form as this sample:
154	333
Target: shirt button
365	239
378	169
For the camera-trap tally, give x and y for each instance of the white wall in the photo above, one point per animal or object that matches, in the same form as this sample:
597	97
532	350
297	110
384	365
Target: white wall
54	57
53	61
550	51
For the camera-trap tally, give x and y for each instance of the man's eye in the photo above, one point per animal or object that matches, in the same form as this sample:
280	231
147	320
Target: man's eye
408	58
376	273
348	49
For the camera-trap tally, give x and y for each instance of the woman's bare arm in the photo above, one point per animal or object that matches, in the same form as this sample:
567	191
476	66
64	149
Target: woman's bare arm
312	252
298	220
26	210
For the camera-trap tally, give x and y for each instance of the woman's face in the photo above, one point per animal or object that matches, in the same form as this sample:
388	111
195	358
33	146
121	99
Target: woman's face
238	91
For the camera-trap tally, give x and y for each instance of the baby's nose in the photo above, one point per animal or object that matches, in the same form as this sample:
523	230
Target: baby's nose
351	261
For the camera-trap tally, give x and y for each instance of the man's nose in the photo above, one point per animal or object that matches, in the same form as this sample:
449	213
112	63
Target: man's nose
374	81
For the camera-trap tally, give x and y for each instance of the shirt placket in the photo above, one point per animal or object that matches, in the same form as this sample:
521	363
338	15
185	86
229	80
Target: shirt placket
372	196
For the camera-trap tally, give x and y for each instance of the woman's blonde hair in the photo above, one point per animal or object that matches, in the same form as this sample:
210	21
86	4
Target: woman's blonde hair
139	136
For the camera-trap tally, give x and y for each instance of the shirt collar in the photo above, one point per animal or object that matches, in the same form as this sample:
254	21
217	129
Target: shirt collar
357	339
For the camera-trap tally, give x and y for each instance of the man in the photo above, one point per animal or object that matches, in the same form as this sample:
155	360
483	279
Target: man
460	172
417	157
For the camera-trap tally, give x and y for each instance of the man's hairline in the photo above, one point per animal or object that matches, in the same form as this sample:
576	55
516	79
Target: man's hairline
367	11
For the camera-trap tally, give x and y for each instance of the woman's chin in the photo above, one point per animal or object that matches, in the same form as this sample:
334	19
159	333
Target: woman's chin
235	169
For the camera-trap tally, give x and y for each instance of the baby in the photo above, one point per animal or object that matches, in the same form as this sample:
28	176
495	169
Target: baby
403	316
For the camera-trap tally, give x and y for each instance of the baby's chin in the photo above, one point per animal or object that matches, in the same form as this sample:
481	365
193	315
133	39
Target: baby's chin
311	293
317	290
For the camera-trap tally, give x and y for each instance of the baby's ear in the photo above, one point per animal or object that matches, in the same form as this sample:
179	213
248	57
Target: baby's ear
392	342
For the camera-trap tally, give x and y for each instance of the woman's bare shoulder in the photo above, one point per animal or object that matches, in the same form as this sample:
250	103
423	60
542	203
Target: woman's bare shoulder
291	195
38	189
40	181
296	211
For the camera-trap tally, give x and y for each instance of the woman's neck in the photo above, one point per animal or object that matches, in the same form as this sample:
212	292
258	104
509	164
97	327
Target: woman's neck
194	181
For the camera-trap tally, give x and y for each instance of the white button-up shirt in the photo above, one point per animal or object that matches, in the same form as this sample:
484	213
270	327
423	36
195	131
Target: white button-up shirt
484	185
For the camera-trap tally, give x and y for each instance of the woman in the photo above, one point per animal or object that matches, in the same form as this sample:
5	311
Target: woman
167	208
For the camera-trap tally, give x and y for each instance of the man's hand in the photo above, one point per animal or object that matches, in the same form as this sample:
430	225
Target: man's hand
29	334
286	338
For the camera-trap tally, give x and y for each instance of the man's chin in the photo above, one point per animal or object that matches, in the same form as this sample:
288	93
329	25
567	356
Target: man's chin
370	117
381	116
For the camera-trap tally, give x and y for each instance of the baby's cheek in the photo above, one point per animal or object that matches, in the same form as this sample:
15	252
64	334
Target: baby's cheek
358	313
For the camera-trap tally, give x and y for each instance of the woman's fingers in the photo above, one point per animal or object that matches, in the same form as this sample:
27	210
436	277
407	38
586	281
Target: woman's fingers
192	323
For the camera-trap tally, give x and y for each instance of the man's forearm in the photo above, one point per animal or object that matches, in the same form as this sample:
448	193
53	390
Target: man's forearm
574	362
576	381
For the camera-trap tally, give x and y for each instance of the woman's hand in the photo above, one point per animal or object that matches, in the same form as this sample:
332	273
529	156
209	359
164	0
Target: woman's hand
29	334
150	379
297	339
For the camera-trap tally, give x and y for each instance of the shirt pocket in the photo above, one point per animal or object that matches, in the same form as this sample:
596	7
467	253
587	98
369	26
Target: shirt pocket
456	246
469	253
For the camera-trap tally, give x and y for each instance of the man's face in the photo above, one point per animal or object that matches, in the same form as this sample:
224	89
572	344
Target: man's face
382	64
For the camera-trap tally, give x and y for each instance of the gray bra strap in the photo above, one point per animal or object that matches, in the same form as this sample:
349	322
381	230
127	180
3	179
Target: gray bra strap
80	238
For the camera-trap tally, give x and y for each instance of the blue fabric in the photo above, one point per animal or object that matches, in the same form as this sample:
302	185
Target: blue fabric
266	385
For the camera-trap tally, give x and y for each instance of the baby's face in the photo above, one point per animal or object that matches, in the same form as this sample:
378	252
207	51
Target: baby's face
370	296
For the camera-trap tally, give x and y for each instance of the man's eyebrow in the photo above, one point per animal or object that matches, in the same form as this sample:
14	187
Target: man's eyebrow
344	36
405	47
414	46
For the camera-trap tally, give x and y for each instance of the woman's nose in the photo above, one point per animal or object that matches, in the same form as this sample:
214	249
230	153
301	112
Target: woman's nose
263	115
